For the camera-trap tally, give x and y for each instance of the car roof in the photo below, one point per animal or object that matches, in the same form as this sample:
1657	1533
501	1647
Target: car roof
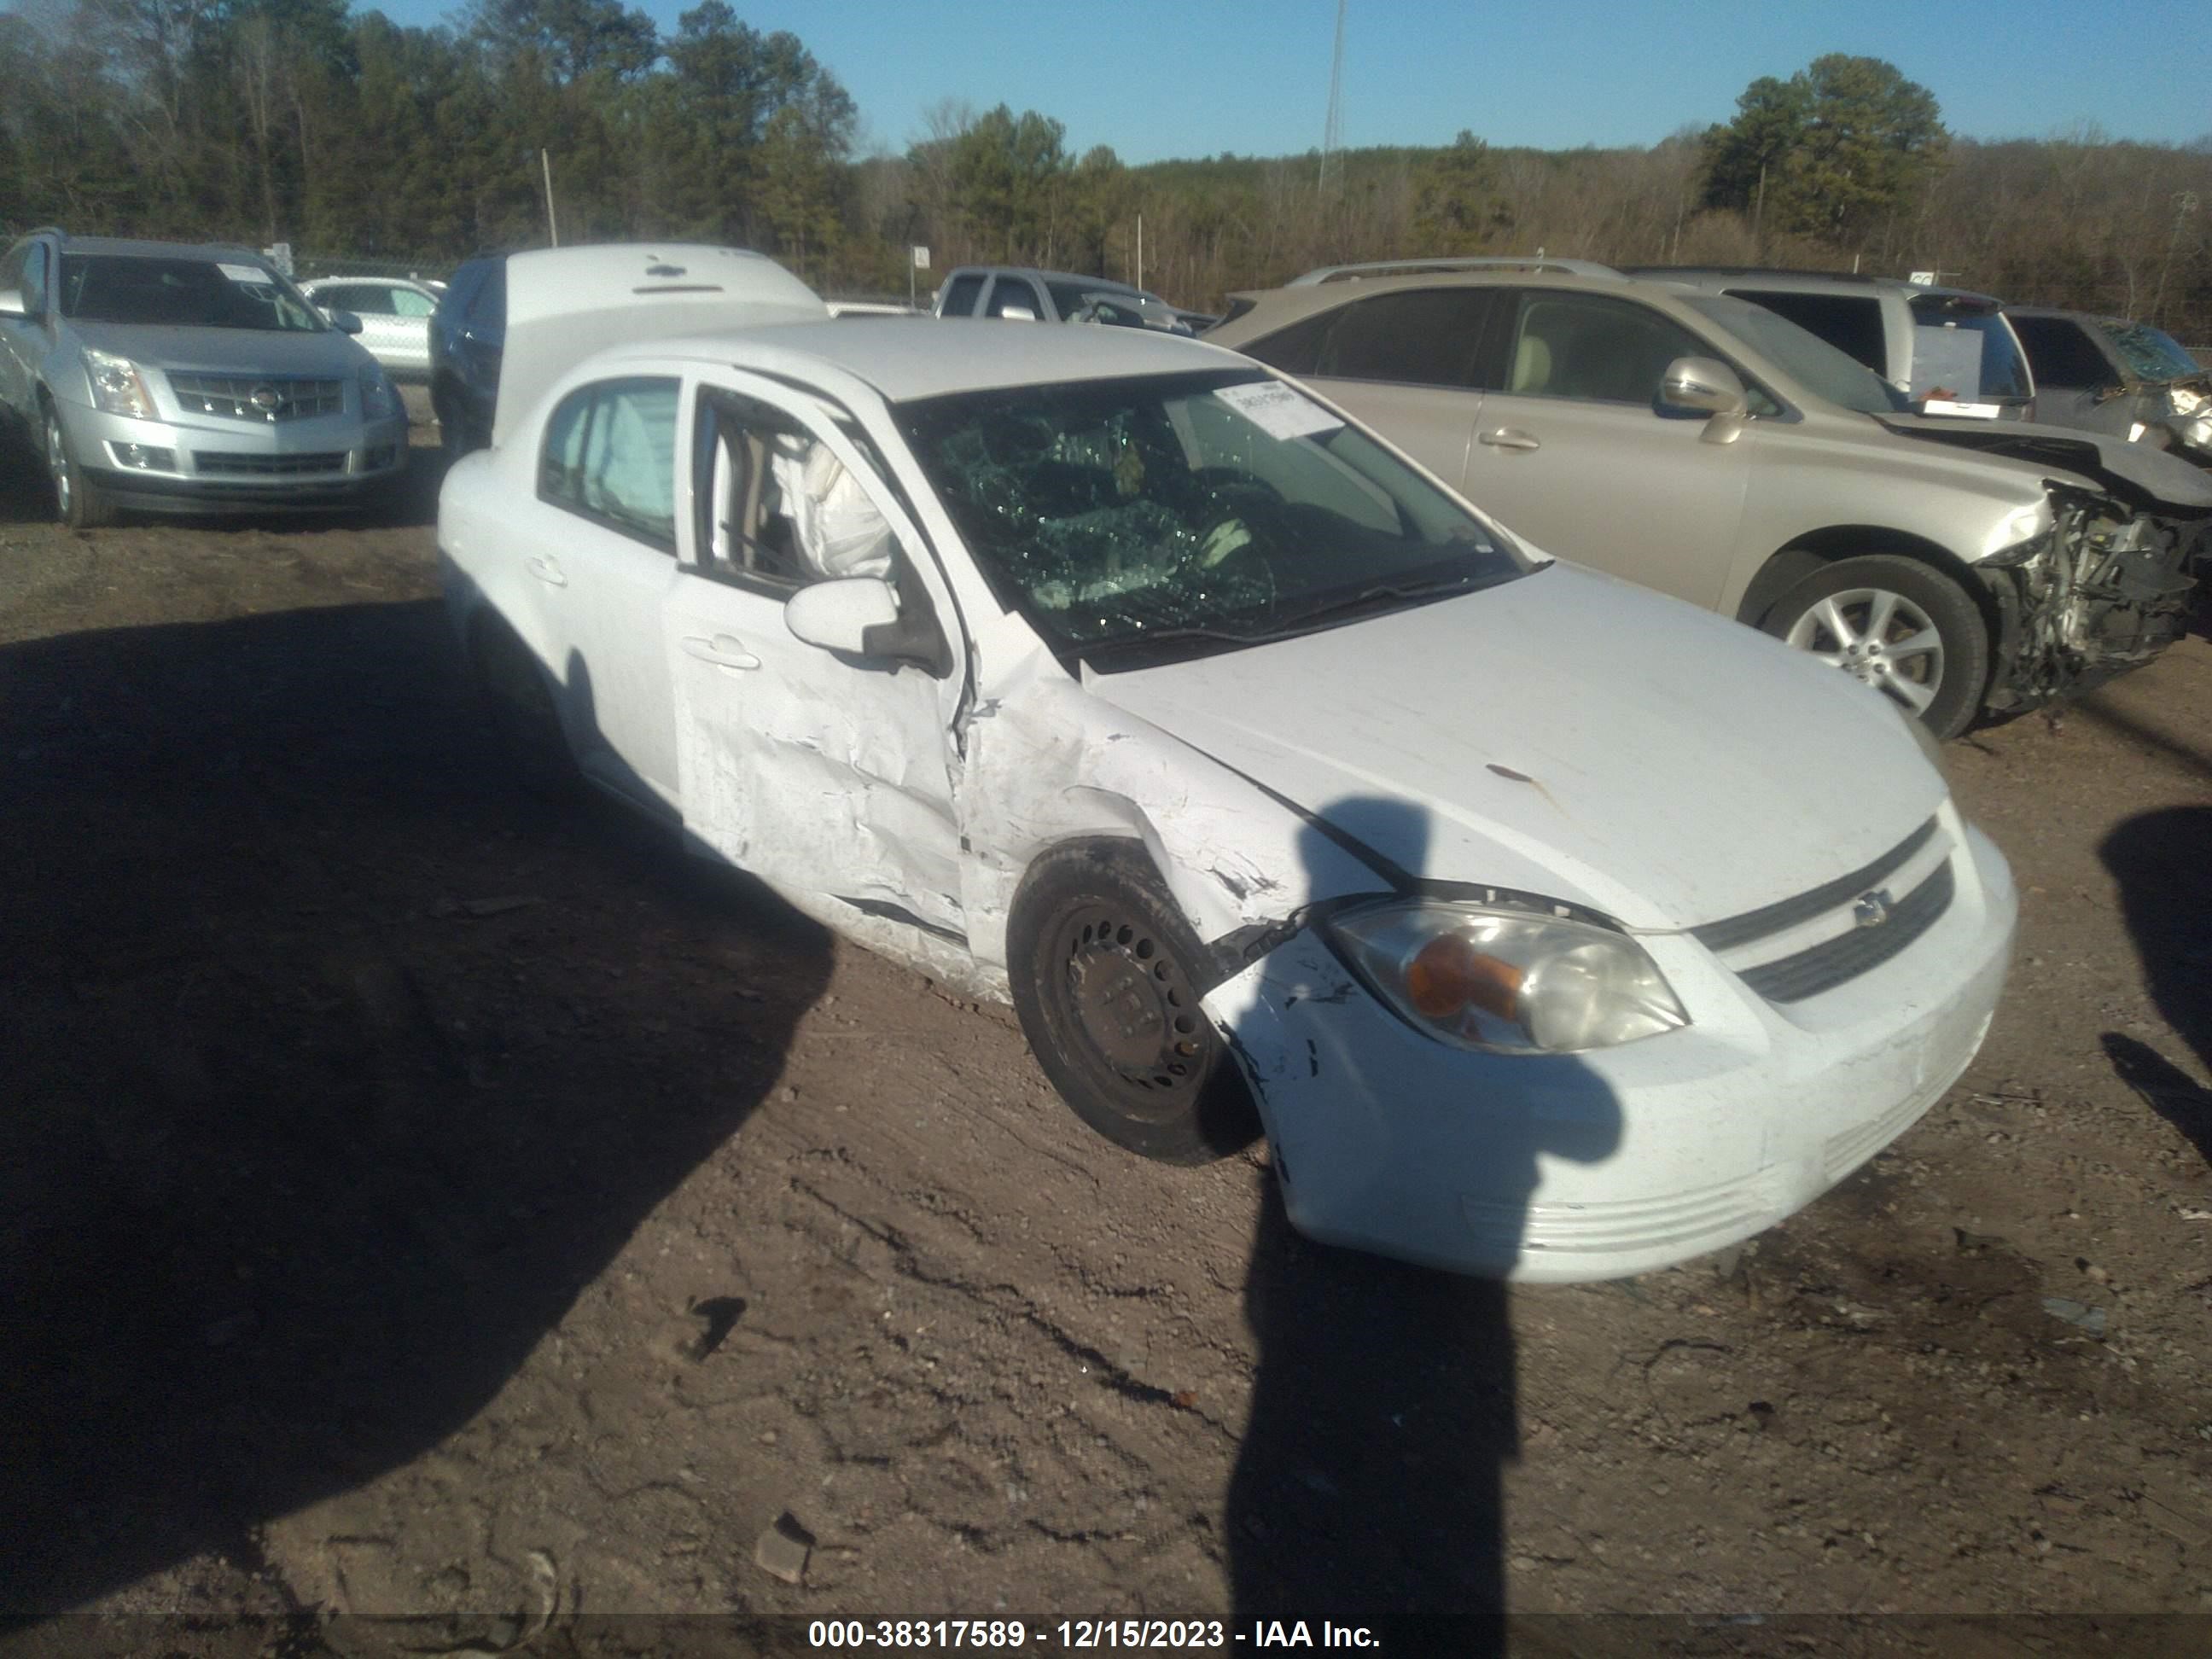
1806	282
1052	277
1284	304
905	359
209	252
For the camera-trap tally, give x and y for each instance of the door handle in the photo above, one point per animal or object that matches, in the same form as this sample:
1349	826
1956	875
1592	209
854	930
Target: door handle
722	651
1509	437
546	571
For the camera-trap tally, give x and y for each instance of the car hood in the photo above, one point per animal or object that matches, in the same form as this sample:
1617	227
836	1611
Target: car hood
1568	735
2145	478
328	354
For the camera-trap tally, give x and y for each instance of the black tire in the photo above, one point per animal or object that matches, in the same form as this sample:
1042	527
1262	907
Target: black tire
78	502
1916	599
1103	968
523	711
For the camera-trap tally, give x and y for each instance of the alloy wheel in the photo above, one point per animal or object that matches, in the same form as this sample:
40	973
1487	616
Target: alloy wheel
1879	638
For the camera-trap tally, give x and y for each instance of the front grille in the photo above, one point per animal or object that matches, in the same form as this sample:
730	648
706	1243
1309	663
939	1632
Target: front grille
238	464
258	397
1832	961
1724	935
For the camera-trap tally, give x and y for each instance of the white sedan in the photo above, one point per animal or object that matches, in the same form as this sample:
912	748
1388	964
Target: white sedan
1556	930
395	317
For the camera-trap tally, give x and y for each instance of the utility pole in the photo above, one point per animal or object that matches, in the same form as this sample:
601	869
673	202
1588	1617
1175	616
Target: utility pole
552	225
1332	132
2185	204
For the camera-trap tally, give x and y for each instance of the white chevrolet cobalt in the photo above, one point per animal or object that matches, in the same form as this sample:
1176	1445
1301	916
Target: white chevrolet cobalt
1556	929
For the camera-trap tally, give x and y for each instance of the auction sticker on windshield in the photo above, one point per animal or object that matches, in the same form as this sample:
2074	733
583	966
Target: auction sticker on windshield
244	274
1278	411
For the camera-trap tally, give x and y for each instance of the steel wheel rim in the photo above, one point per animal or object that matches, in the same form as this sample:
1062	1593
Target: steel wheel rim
1132	1002
1879	638
58	464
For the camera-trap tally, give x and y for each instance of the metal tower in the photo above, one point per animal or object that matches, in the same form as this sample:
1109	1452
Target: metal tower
1333	131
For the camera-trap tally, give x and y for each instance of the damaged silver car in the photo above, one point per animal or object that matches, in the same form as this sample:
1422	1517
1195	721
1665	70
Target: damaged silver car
2109	374
1705	446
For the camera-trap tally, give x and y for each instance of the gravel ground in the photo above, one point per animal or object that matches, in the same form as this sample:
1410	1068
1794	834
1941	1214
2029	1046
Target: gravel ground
415	1199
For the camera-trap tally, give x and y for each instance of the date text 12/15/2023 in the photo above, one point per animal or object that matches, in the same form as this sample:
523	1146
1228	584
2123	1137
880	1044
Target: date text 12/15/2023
1079	1635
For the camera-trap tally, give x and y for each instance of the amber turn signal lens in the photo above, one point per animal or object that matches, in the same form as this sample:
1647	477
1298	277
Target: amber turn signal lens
1447	975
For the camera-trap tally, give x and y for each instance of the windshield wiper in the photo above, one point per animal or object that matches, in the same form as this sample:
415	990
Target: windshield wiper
1098	653
1376	598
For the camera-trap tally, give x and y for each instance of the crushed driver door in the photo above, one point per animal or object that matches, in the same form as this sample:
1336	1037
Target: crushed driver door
829	776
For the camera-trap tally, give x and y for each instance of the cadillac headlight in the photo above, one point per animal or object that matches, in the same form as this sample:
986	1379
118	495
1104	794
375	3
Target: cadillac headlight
1507	981
117	386
377	397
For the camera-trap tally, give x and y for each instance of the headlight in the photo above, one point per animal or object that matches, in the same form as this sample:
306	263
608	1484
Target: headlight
2198	434
117	386
1510	981
377	401
2018	536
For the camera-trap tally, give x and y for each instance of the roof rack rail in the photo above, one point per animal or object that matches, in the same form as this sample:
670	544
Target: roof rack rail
1416	267
1758	270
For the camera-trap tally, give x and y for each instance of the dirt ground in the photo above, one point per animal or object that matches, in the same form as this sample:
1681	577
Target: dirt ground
415	1199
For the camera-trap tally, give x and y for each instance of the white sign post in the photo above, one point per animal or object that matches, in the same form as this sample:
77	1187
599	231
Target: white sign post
920	263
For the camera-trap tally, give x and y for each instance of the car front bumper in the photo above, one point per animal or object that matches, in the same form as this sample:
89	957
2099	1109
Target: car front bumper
216	465
1563	1168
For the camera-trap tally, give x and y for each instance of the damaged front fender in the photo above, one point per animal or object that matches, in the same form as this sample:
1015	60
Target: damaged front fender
2104	589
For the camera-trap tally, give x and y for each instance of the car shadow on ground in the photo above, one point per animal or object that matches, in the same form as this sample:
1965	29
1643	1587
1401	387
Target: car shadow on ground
2163	863
337	1070
1384	1405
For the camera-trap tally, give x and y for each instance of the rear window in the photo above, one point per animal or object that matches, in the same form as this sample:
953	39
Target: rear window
2062	354
1849	322
1943	362
1295	349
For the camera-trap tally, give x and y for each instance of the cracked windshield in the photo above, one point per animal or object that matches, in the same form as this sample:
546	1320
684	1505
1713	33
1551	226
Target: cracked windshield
1205	510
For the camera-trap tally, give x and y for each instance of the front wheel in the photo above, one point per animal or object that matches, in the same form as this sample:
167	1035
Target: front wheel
1898	625
1103	967
78	502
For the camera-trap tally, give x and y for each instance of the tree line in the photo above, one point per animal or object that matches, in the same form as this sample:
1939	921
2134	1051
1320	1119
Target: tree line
349	136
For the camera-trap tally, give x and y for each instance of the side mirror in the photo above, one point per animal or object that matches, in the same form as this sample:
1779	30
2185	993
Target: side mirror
1017	314
11	303
839	616
1702	386
344	321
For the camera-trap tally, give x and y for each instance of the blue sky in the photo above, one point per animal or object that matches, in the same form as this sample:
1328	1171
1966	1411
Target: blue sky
1157	80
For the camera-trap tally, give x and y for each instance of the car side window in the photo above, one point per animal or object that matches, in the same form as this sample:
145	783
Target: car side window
610	456
406	303
1852	323
960	294
1427	337
1012	291
370	300
2062	355
1295	349
777	509
1592	348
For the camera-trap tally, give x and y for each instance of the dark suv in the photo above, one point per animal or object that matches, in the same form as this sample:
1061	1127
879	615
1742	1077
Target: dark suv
468	331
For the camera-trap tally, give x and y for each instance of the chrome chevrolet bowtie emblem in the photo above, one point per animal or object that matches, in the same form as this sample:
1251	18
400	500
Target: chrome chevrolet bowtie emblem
265	398
1872	909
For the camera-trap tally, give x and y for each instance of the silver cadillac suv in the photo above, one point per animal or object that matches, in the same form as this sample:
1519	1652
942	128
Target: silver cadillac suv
172	379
